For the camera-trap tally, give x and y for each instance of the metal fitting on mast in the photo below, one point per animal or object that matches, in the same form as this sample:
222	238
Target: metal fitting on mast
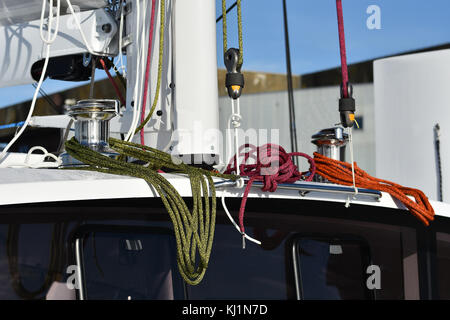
234	80
347	107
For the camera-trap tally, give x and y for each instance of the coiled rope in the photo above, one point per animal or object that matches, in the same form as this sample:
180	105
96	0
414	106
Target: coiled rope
194	231
341	173
272	165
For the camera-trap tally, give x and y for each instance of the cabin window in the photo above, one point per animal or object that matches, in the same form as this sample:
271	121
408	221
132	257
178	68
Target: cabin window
234	273
331	268
125	263
443	264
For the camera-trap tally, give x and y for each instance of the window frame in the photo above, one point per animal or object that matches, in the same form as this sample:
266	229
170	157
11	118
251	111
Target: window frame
348	238
80	234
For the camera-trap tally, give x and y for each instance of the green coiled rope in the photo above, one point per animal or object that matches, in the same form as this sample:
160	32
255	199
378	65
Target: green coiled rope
194	231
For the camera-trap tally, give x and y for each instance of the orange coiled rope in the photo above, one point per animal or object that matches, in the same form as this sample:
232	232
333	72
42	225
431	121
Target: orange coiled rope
341	173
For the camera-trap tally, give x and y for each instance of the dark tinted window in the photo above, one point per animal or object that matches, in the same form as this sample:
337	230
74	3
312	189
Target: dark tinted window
32	258
35	257
234	273
130	265
331	269
443	264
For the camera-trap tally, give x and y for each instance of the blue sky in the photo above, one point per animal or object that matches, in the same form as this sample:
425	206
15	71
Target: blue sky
405	25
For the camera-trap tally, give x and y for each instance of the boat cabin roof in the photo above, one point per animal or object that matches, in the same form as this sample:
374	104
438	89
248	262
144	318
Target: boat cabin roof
22	185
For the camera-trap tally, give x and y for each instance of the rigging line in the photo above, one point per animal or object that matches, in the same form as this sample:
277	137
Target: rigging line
114	84
228	10
119	75
147	67
122	67
344	69
135	103
47	44
350	135
160	62
292	124
224	30
12	125
47	98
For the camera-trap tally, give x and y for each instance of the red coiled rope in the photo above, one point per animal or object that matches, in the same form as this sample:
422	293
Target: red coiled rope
273	165
344	70
147	68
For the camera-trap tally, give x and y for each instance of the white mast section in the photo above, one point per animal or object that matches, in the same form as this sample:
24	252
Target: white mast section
186	119
196	92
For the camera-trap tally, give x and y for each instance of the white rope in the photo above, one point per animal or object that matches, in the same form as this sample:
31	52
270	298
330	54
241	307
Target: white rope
140	66
50	21
350	138
245	236
234	120
77	22
48	42
121	66
42	164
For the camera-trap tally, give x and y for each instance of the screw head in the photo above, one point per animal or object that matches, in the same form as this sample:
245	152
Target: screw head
107	28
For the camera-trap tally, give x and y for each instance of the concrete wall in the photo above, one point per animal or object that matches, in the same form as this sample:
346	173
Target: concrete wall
315	109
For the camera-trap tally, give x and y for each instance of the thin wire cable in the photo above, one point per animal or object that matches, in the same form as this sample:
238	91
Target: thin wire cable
228	10
47	98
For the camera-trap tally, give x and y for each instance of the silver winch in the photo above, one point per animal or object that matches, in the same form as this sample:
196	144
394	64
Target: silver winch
91	119
331	142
